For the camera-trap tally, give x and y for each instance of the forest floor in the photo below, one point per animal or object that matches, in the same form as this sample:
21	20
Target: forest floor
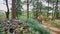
48	25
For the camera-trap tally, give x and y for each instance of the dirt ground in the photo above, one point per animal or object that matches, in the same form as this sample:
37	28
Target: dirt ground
53	30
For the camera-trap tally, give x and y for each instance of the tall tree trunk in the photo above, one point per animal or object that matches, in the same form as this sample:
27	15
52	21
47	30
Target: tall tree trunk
37	9
40	9
7	13
27	8
53	9
56	9
13	9
48	10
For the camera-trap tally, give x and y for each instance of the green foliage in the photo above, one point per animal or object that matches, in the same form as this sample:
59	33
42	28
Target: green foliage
44	15
57	14
36	26
1	27
50	8
56	24
51	1
37	6
4	15
18	8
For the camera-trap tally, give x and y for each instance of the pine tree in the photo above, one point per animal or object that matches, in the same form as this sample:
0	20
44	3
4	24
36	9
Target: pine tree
13	9
18	8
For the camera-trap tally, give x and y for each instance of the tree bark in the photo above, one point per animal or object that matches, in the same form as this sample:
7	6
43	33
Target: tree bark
53	10
48	10
56	9
37	9
7	13
13	9
27	8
